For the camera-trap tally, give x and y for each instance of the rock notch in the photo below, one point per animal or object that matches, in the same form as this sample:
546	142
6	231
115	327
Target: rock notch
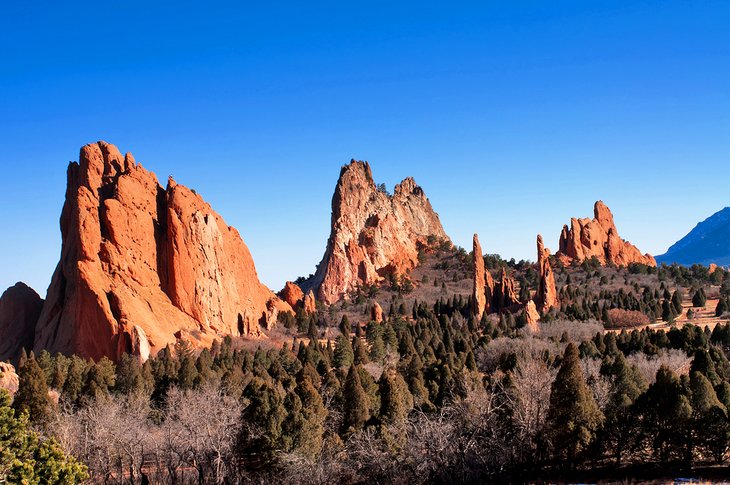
547	294
141	263
20	307
598	237
373	234
505	296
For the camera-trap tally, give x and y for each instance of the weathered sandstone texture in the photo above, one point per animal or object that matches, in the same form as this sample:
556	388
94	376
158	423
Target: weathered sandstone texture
376	312
586	238
483	285
141	264
547	294
373	234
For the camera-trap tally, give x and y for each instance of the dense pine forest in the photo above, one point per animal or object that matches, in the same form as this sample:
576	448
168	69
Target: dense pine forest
616	381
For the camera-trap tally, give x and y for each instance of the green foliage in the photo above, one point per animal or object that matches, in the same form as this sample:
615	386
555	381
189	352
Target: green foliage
32	396
27	458
356	402
573	416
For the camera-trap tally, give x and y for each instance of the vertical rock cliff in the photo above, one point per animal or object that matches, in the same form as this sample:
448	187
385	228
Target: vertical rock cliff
373	234
547	294
142	265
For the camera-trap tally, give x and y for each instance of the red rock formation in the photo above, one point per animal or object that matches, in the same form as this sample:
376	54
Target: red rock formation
483	283
8	378
712	268
292	294
376	312
598	237
373	234
547	294
478	298
532	317
310	303
505	296
20	307
140	263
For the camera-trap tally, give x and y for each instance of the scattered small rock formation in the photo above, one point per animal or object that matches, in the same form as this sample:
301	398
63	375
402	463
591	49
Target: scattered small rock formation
712	268
20	307
373	234
8	378
292	294
141	263
532	317
505	296
547	294
376	312
310	303
483	288
598	237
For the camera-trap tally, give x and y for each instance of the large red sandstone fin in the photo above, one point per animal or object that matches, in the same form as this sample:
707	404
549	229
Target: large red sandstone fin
140	264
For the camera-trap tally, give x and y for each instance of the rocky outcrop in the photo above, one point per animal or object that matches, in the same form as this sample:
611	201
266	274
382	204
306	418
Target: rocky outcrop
373	234
547	294
292	294
532	317
376	312
310	303
505	296
141	263
8	378
712	268
483	283
598	237
20	307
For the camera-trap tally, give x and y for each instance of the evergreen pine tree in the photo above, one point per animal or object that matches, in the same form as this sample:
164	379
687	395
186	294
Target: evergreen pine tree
356	405
699	299
395	398
573	415
32	396
343	355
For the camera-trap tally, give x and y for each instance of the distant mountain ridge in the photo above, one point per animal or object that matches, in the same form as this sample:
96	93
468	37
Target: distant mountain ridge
708	242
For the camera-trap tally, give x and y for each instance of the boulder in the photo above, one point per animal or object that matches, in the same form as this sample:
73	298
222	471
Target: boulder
376	312
292	294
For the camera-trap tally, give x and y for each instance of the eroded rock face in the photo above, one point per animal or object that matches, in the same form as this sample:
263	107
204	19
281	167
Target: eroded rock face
292	294
310	303
532	317
373	234
547	294
140	263
8	378
20	307
598	237
505	296
483	283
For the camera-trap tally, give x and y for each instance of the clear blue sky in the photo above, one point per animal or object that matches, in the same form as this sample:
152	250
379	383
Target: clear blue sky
513	116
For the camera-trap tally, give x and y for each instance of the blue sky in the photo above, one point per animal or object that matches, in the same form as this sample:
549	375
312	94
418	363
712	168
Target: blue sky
513	116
